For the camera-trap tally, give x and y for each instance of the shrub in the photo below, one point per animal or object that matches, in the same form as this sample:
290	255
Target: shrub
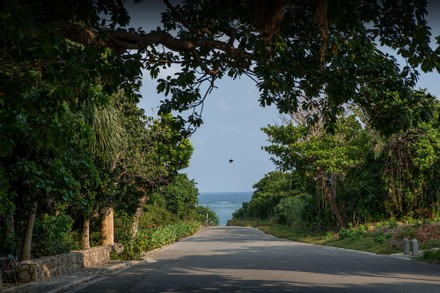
202	213
353	233
155	236
243	212
431	255
52	235
157	227
290	210
262	207
158	215
380	237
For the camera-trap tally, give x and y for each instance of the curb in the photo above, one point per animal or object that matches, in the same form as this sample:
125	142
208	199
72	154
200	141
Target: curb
99	275
39	287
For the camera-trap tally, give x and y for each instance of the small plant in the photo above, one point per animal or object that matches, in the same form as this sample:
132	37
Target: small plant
329	235
431	255
353	233
380	237
392	223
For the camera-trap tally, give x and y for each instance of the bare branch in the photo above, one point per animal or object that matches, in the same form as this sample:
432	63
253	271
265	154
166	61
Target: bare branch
121	40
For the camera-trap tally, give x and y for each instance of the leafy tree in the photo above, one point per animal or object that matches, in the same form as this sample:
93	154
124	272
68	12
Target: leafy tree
154	152
323	157
410	171
206	216
296	51
37	172
269	191
180	196
63	57
360	174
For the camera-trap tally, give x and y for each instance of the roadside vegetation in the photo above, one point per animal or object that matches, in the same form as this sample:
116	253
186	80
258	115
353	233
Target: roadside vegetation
85	170
375	238
353	187
432	255
77	154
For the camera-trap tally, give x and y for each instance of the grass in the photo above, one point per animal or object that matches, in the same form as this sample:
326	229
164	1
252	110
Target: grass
366	243
380	238
430	245
431	256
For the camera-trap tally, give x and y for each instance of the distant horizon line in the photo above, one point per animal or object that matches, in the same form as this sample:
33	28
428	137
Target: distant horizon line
247	191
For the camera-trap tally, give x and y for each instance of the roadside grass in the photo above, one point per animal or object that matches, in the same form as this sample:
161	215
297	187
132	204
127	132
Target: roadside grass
431	256
379	238
365	243
430	245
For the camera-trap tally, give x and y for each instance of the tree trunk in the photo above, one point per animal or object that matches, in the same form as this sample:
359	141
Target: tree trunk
330	196
27	240
85	235
138	214
107	226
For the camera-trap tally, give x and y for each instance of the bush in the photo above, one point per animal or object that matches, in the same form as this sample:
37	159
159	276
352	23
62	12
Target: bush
157	227
52	235
158	215
290	210
201	213
262	207
179	197
122	227
156	236
242	213
380	237
431	256
353	233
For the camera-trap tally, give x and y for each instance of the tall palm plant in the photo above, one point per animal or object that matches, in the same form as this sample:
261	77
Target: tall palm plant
107	144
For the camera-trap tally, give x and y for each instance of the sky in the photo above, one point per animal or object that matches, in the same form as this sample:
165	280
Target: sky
232	129
231	126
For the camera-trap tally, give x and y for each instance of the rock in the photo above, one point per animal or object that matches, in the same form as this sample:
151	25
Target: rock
118	248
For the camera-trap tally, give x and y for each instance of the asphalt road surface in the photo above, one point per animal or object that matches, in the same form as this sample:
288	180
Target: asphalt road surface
237	259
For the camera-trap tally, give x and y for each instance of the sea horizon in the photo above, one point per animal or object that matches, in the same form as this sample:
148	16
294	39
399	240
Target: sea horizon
203	192
224	203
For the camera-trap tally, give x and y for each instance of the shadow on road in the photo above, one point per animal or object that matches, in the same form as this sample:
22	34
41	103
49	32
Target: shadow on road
235	259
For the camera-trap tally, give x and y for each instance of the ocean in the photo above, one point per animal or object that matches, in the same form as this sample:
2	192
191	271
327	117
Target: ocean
224	203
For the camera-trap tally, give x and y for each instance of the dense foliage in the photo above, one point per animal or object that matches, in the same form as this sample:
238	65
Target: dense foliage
74	144
349	177
296	51
117	156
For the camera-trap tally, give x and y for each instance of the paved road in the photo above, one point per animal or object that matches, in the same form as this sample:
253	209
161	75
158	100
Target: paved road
236	259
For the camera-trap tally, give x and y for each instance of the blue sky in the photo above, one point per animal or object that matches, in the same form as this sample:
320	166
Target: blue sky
231	130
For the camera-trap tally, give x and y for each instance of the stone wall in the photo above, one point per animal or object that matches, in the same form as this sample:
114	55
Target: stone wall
54	266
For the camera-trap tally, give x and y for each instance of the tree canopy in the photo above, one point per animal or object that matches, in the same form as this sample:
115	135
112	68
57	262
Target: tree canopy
300	53
347	177
73	138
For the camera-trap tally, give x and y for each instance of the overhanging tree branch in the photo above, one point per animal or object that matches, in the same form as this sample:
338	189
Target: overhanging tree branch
121	40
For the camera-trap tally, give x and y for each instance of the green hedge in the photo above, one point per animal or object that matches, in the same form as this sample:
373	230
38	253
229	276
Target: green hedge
155	236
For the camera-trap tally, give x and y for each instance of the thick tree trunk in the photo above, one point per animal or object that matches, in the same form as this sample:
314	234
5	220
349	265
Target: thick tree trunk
107	226
138	214
330	196
27	240
85	235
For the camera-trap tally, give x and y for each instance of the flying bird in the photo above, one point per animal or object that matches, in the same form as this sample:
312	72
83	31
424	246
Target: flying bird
231	160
